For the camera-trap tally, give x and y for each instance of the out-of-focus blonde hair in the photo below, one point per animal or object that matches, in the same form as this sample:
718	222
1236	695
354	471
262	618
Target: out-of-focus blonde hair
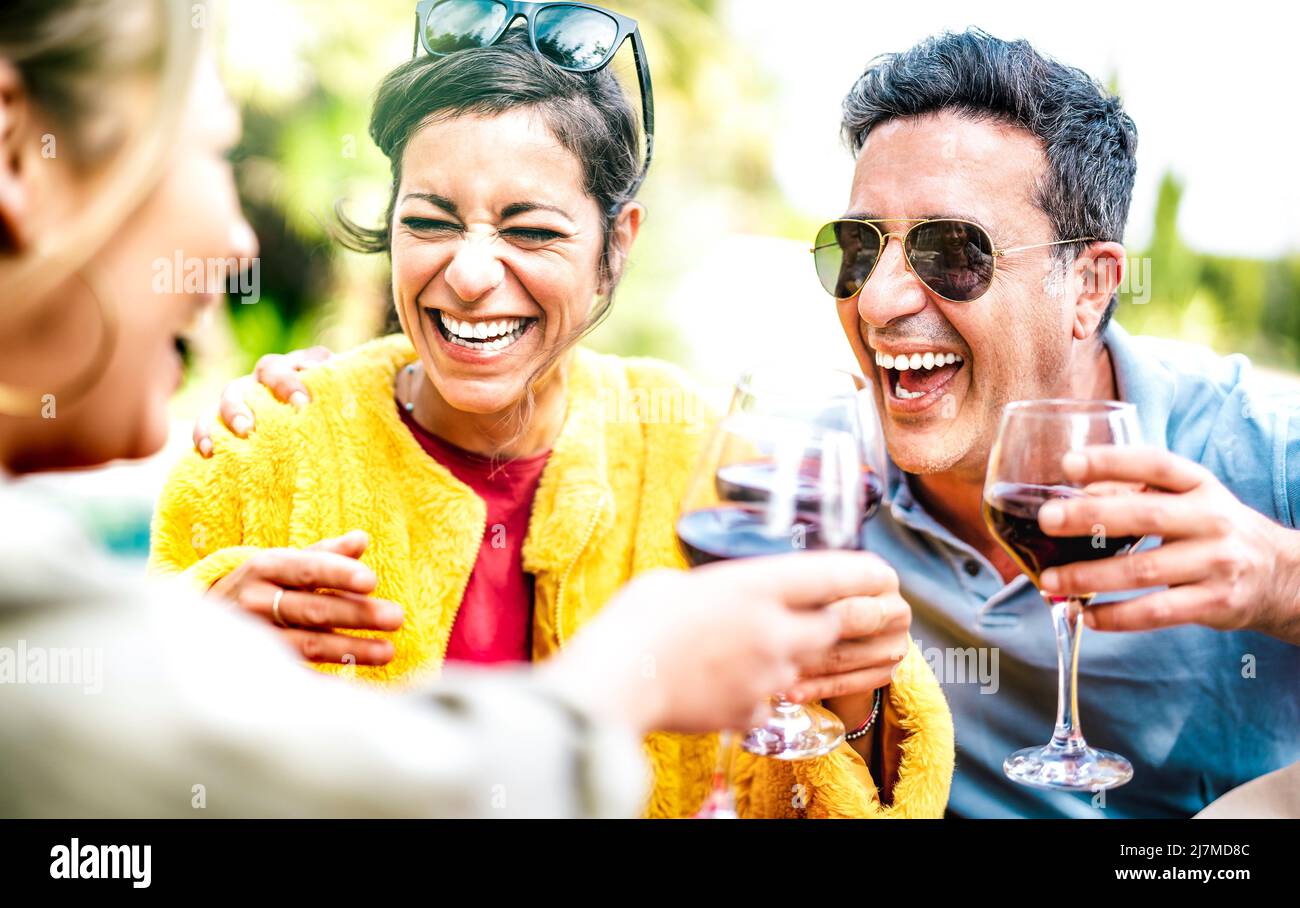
79	60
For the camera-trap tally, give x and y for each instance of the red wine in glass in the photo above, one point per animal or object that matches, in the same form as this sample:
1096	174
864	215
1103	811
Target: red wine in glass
1011	512
751	482
719	534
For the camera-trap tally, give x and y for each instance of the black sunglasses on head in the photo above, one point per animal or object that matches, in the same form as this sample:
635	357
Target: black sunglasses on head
575	36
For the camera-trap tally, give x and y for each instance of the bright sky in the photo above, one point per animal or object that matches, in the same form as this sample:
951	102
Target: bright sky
1210	86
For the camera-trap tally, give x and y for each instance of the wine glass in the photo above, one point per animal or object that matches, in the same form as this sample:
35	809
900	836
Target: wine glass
1024	473
785	471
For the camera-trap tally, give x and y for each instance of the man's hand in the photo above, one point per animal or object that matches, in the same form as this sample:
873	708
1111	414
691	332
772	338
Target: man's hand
1226	565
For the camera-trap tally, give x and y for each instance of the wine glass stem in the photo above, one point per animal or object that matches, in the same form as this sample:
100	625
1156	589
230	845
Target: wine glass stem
1067	618
722	797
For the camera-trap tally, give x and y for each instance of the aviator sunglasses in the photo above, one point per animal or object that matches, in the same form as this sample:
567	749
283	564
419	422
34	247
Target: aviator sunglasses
574	36
955	259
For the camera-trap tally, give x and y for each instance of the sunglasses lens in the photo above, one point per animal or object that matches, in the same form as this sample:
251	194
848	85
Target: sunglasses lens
462	24
952	258
844	253
573	37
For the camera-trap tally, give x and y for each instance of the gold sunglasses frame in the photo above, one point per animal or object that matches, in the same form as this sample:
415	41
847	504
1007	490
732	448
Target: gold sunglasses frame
902	239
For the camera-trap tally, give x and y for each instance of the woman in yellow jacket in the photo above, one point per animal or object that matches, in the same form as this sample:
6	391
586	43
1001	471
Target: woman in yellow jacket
498	268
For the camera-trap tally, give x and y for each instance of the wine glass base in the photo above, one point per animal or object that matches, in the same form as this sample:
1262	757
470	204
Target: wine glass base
804	733
712	810
1056	769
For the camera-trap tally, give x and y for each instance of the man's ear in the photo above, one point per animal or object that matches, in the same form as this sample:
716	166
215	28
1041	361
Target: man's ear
1098	272
626	227
14	192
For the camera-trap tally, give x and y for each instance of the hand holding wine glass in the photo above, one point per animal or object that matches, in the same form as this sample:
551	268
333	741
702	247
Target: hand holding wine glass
784	472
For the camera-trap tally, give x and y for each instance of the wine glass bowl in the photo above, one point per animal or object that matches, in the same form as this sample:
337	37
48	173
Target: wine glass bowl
786	470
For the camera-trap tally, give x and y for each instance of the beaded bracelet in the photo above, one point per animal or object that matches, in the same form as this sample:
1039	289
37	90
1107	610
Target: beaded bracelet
865	727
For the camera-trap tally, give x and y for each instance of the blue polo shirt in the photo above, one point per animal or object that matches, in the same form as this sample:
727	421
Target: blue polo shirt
1197	711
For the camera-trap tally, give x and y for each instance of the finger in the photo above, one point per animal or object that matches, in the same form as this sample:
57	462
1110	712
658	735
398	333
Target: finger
809	634
351	544
1171	564
310	570
235	412
202	435
321	611
322	646
305	359
840	685
802	581
857	655
280	373
1192	604
332	610
863	616
1144	514
1153	466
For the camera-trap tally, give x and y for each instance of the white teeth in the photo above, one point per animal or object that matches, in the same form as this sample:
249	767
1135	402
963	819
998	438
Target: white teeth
903	394
904	362
487	336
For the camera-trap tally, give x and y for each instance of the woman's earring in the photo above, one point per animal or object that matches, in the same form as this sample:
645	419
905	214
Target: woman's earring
22	403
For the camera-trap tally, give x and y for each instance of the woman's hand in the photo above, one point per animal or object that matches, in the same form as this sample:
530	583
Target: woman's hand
277	371
325	587
701	650
873	640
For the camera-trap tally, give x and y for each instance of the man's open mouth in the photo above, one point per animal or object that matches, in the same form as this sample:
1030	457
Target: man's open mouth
915	374
487	335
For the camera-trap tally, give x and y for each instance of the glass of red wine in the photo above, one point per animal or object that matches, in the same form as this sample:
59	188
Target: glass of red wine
788	469
1025	472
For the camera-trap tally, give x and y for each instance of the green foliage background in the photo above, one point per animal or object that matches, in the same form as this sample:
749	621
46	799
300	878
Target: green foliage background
306	146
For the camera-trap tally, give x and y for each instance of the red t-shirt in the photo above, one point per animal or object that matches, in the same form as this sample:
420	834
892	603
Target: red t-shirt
495	620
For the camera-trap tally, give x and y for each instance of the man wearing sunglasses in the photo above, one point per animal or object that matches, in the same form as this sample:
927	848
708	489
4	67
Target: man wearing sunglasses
977	264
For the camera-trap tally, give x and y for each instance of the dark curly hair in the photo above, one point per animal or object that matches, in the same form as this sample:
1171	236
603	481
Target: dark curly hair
1090	142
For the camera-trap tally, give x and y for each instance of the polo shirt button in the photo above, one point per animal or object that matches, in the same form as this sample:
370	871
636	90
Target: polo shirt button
972	567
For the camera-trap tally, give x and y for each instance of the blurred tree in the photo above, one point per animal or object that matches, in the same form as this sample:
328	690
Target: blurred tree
1233	304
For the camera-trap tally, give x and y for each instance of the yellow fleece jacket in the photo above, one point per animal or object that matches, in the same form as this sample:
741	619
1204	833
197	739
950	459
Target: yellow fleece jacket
604	511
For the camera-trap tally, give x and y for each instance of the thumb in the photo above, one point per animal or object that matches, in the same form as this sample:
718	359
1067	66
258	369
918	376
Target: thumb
351	544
